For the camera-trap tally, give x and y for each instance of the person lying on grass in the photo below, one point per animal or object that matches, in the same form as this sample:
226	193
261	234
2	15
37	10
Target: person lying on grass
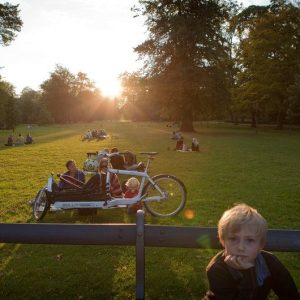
243	271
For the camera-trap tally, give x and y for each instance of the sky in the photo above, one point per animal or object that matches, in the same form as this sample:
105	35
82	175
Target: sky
96	37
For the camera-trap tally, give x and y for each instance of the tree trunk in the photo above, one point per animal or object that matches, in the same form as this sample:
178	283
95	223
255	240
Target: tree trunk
253	119
187	122
280	120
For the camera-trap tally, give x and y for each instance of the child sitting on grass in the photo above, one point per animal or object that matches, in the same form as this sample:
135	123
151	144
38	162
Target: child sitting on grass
243	271
132	186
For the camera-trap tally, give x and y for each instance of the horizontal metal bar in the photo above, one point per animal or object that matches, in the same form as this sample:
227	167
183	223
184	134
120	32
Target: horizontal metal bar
69	234
206	237
181	237
125	234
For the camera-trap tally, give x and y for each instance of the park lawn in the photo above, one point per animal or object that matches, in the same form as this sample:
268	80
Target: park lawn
236	164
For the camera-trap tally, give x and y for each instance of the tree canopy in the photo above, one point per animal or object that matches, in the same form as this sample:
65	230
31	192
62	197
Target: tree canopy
184	55
7	105
270	60
10	23
73	98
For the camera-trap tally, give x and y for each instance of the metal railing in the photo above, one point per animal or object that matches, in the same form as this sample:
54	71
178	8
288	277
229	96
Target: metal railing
138	235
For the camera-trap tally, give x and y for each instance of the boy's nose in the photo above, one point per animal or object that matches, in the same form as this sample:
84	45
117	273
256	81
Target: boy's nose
241	245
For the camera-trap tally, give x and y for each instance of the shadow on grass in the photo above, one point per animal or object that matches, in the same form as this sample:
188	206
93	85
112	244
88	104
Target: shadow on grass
66	271
115	215
58	272
175	273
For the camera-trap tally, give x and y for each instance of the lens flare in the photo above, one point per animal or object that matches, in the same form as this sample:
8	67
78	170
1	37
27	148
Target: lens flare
189	214
204	242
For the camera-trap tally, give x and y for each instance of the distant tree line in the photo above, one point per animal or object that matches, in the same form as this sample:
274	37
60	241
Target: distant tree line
203	60
63	98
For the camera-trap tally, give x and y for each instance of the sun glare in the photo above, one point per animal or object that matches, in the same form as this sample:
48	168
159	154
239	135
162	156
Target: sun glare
104	74
109	87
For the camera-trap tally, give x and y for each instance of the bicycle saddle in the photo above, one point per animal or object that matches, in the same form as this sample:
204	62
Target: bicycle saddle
149	153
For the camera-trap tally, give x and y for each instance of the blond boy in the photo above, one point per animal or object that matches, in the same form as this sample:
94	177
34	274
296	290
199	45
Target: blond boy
243	270
133	186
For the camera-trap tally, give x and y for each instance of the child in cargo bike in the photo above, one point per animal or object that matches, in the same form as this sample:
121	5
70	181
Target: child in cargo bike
132	189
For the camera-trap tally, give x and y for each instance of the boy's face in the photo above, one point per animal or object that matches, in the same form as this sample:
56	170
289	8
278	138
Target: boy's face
244	244
72	167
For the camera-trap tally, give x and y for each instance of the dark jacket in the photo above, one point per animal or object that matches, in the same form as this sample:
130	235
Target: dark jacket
97	183
78	179
117	162
226	283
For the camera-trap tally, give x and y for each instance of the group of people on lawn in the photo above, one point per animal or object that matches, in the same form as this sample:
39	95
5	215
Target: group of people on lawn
75	179
181	146
20	140
95	134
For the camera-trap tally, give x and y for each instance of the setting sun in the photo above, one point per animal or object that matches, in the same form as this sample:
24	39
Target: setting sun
110	87
93	37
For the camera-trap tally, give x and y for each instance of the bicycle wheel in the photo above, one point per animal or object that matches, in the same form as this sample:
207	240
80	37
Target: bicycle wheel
175	193
40	205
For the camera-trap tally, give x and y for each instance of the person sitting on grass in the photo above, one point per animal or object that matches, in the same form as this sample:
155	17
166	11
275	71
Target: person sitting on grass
179	144
10	141
132	189
97	183
195	145
174	136
117	161
73	178
243	271
29	139
130	162
20	140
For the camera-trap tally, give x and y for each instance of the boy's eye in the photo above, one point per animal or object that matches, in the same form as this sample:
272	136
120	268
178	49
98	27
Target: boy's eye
250	240
232	239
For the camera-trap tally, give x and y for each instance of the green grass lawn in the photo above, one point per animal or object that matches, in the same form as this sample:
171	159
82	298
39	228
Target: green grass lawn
235	164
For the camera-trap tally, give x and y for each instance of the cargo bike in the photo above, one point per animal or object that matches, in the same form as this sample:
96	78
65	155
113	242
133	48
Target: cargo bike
162	195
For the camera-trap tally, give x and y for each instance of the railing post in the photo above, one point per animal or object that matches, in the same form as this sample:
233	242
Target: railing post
140	256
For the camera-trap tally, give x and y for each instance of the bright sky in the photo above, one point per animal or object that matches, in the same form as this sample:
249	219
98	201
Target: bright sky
96	37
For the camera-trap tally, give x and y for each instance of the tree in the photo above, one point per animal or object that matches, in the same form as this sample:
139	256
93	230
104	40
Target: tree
10	23
184	55
7	104
28	105
73	98
294	100
139	103
11	113
58	94
85	97
270	56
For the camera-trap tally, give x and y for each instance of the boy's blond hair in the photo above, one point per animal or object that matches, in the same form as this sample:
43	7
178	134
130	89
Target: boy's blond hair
133	183
240	216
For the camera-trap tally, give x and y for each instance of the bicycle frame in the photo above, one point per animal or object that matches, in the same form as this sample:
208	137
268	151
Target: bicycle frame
111	201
